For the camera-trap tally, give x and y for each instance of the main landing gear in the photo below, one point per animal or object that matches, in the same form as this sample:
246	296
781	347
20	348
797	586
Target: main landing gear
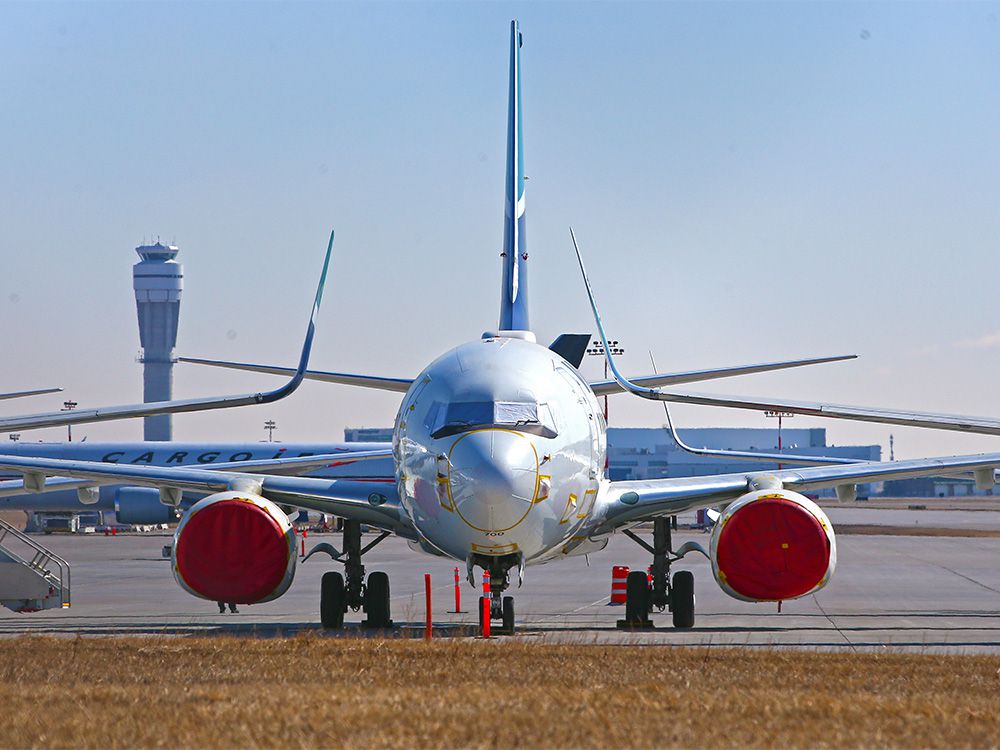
500	607
337	595
643	595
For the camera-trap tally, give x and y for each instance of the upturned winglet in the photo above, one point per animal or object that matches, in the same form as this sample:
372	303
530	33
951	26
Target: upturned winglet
104	414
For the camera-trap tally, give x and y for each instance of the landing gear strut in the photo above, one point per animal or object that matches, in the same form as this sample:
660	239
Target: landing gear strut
643	594
500	607
337	595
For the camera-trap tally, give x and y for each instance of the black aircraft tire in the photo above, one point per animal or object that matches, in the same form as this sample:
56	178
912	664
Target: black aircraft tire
508	615
331	601
682	599
482	599
637	597
377	601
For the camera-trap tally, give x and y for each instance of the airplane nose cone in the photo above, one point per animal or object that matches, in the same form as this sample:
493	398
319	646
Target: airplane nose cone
494	478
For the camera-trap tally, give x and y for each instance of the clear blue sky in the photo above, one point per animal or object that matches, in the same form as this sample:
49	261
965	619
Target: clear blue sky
748	181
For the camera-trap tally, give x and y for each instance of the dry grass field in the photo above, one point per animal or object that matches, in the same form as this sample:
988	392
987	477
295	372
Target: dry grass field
326	692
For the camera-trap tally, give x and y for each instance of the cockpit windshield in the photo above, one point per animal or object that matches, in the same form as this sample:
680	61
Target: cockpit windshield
461	416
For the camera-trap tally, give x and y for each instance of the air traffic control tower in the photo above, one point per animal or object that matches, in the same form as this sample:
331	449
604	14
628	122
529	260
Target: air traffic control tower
158	280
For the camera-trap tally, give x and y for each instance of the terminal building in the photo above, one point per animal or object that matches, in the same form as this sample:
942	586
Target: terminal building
651	453
367	434
936	487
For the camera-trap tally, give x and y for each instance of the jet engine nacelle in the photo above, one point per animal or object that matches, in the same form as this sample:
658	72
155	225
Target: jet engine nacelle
141	505
771	545
234	547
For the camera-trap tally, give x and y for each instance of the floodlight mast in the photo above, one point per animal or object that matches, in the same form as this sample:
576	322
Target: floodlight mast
779	415
596	349
69	406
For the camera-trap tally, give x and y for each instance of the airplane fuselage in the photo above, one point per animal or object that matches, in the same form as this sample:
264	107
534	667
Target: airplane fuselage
500	450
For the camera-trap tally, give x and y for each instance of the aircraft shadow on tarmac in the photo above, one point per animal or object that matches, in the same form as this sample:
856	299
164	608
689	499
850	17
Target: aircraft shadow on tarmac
251	629
550	624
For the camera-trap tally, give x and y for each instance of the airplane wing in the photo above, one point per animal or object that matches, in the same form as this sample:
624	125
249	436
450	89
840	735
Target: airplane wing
377	505
22	394
275	466
604	387
15	487
955	422
400	385
982	425
632	501
58	418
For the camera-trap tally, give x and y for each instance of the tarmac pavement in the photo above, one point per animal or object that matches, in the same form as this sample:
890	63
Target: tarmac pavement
908	593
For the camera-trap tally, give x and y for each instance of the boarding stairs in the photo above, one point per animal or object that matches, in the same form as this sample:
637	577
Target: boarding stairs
32	577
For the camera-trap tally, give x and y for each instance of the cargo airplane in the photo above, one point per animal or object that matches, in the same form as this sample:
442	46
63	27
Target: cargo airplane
498	451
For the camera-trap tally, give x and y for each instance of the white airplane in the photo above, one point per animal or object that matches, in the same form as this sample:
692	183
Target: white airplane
499	450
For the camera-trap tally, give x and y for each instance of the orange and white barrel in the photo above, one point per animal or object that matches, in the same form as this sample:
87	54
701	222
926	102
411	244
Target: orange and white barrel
619	583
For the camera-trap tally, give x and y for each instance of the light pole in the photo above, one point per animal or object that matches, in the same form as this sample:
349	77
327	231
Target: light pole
69	406
270	425
779	415
597	350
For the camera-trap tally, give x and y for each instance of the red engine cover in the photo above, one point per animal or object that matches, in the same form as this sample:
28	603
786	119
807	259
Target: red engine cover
232	551
771	549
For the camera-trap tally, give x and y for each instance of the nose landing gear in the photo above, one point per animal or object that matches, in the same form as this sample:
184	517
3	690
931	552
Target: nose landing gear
500	607
338	595
642	595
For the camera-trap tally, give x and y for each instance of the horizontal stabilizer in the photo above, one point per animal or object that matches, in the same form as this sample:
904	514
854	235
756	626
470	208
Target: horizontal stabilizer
604	387
400	385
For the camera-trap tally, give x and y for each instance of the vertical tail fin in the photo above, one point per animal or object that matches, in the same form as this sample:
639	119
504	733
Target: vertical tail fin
514	294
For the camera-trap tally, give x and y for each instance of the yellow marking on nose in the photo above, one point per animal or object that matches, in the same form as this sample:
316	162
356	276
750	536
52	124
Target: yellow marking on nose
451	497
538	486
494	549
570	508
445	499
584	508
